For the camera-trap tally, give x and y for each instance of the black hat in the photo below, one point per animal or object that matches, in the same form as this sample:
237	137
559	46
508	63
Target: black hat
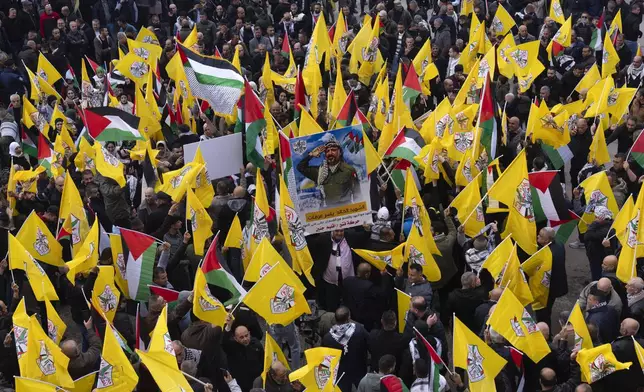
52	210
163	196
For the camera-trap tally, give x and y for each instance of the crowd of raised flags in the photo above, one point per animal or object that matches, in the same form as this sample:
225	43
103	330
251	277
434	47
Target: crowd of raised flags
467	132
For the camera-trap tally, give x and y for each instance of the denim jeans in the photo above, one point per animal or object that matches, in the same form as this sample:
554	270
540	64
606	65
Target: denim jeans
288	334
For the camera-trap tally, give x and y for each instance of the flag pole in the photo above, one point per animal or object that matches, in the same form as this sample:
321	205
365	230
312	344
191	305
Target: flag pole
473	179
193	378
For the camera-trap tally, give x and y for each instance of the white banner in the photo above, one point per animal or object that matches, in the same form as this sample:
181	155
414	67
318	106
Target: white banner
223	155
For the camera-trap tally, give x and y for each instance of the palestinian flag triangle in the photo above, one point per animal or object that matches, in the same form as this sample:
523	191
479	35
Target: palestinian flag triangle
547	196
565	227
226	288
107	123
28	146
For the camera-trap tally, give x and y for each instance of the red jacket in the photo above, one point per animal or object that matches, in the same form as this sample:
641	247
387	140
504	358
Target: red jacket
47	19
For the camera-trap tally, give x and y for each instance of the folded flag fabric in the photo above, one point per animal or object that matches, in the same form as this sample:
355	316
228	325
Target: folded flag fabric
107	123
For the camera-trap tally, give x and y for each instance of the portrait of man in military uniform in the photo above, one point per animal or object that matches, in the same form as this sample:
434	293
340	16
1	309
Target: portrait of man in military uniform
337	180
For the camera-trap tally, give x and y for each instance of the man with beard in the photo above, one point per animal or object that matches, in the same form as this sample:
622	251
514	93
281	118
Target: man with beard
338	179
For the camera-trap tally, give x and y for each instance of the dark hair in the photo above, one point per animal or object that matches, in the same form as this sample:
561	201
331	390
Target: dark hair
342	315
538	163
420	368
620	155
157	271
416	267
388	319
386	363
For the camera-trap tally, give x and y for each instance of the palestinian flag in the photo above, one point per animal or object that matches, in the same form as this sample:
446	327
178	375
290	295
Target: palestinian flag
596	38
215	80
255	122
28	145
46	154
138	342
411	86
347	112
565	227
169	124
391	383
435	363
226	288
300	96
106	123
92	64
517	359
141	250
150	175
637	150
487	121
403	147
287	161
70	75
558	157
547	196
286	47
170	296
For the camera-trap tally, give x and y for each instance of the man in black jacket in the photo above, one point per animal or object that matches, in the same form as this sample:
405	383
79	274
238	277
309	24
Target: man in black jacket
624	350
245	355
604	317
464	301
365	299
352	339
386	340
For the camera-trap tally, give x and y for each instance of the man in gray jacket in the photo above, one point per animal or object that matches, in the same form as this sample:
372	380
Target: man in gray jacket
371	381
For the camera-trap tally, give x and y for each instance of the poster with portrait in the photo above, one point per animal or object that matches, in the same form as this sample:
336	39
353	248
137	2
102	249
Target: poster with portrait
331	180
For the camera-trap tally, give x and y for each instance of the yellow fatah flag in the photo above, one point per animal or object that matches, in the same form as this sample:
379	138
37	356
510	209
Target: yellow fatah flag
465	202
639	351
261	213
502	22
371	155
202	184
539	269
615	25
308	125
47	71
622	219
359	43
370	56
339	95
263	259
477	358
417	252
551	129
437	123
598	362
149	125
413	203
30	113
176	182
468	168
556	12
381	107
619	100
85	383
267	81
206	306
525	81
401	116
20	320
582	336
45	360
71	202
589	79
393	258
404	303
524	57
86	157
39	242
272	353
87	257
272	139
468	92
134	68
514	279
118	259
234	238
498	258
564	35
30	385
105	295
11	188
467	7
200	222
160	358
597	97
597	192
321	370
487	66
115	372
147	36
27	179
150	99
320	44
598	153
19	258
425	66
56	327
39	85
191	40
278	296
610	58
512	321
506	68
294	234
514	176
108	165
626	226
150	53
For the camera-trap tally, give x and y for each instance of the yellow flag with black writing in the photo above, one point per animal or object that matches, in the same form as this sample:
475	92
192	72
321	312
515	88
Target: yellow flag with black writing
512	321
278	296
404	302
177	181
20	320
513	278
118	259
263	259
86	157
30	385
39	242
582	335
45	360
204	305
597	192
200	222
19	258
272	353
294	237
108	165
115	372
393	258
539	269
56	327
105	295
465	202
413	204
480	361
599	362
417	252
87	257
321	370
234	238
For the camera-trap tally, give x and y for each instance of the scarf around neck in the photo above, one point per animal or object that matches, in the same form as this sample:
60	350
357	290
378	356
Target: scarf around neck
341	333
632	299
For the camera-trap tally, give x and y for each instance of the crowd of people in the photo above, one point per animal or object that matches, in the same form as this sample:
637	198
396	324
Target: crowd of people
355	307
